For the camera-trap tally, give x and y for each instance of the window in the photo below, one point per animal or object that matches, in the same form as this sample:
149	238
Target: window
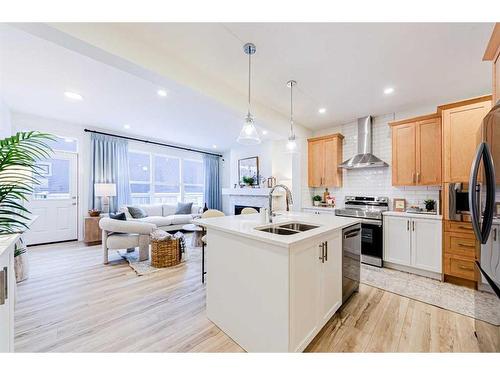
64	144
140	177
193	180
157	178
54	179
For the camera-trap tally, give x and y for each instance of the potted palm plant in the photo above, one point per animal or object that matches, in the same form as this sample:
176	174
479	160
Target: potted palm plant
19	173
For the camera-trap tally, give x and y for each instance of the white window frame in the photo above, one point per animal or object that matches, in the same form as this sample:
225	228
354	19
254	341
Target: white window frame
152	195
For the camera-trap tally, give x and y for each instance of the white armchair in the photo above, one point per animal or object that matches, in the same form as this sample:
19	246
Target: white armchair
120	234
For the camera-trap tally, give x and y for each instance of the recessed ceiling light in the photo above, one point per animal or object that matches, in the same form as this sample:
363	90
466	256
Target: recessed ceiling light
322	110
264	132
388	90
161	92
214	146
126	126
73	95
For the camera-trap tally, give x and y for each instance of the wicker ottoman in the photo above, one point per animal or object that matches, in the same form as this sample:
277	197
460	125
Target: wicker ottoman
165	253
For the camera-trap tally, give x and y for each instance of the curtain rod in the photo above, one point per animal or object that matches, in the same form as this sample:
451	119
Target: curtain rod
153	142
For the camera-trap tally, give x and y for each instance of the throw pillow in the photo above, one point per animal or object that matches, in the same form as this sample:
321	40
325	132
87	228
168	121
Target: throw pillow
118	216
137	212
184	208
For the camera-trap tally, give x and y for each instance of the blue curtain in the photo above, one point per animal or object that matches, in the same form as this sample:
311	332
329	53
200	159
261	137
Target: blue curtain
109	164
213	192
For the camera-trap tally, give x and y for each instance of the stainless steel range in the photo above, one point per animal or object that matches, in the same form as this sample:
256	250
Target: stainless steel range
369	210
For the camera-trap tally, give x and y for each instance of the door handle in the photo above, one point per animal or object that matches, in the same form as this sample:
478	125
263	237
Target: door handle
326	251
418	177
413	225
495	234
482	231
414	178
322	257
407	225
73	204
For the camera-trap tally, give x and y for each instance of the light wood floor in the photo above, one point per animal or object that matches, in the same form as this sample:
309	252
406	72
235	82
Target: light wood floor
73	303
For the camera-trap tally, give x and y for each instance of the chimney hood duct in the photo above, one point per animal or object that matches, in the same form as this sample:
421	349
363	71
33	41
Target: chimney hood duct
364	158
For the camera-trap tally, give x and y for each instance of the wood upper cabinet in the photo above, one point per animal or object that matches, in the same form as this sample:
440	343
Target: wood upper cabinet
492	53
416	151
324	157
461	126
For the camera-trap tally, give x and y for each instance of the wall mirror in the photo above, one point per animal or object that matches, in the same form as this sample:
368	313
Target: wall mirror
248	169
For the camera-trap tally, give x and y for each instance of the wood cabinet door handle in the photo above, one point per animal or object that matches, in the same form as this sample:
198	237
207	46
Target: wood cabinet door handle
465	268
414	178
418	177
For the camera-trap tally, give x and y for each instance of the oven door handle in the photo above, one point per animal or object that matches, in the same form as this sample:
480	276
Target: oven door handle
352	233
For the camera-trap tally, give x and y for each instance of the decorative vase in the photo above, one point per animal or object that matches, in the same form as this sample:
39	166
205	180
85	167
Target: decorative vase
21	267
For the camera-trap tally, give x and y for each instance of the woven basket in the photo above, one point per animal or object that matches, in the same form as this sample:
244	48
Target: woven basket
165	253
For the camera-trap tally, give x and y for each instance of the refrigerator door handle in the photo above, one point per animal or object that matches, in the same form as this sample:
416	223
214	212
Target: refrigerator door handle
482	231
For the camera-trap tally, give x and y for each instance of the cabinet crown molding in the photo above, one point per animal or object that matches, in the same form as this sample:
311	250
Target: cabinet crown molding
415	119
336	135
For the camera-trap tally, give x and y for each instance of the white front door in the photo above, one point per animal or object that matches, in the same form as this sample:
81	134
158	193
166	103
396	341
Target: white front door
55	201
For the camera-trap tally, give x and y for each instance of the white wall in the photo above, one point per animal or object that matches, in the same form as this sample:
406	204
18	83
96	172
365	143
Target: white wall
373	181
5	120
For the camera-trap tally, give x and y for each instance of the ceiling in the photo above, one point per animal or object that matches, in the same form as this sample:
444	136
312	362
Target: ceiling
343	67
35	73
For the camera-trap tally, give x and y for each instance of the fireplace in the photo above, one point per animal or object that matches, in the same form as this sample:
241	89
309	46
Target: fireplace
238	208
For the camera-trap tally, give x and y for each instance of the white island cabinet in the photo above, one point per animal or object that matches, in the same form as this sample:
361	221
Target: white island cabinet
272	292
7	289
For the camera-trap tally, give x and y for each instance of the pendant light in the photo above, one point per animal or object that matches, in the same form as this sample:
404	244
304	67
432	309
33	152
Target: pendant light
291	145
248	135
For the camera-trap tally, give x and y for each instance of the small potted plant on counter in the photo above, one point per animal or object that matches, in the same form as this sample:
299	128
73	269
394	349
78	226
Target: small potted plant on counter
316	200
430	205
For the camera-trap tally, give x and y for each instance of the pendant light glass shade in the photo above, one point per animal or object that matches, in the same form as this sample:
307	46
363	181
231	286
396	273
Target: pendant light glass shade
248	134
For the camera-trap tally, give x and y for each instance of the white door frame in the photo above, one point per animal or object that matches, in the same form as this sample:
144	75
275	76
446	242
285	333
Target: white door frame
38	225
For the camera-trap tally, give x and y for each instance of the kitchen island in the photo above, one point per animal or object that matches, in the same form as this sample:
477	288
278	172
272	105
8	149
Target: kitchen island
272	290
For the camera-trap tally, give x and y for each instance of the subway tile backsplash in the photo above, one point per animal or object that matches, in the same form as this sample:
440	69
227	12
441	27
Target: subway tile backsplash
373	181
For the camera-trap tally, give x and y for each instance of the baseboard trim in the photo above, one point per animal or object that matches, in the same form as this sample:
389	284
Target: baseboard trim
416	271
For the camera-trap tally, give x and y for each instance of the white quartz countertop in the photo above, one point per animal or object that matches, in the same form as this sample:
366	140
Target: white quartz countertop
7	240
245	225
413	215
320	208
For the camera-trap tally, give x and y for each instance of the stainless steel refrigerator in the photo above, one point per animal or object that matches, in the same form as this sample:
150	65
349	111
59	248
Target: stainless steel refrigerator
482	195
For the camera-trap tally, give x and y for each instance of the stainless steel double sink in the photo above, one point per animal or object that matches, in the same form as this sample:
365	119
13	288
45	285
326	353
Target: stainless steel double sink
288	229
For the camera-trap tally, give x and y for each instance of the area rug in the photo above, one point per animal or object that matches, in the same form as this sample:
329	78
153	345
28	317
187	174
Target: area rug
475	304
144	267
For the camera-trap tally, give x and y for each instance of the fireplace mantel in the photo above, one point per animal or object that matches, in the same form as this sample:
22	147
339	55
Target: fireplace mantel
256	192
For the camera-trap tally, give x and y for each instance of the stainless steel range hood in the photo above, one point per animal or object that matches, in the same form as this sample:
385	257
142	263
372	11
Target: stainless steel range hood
364	158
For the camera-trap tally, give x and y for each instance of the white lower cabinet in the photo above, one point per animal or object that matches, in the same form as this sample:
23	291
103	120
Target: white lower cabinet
315	288
331	278
413	242
7	283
